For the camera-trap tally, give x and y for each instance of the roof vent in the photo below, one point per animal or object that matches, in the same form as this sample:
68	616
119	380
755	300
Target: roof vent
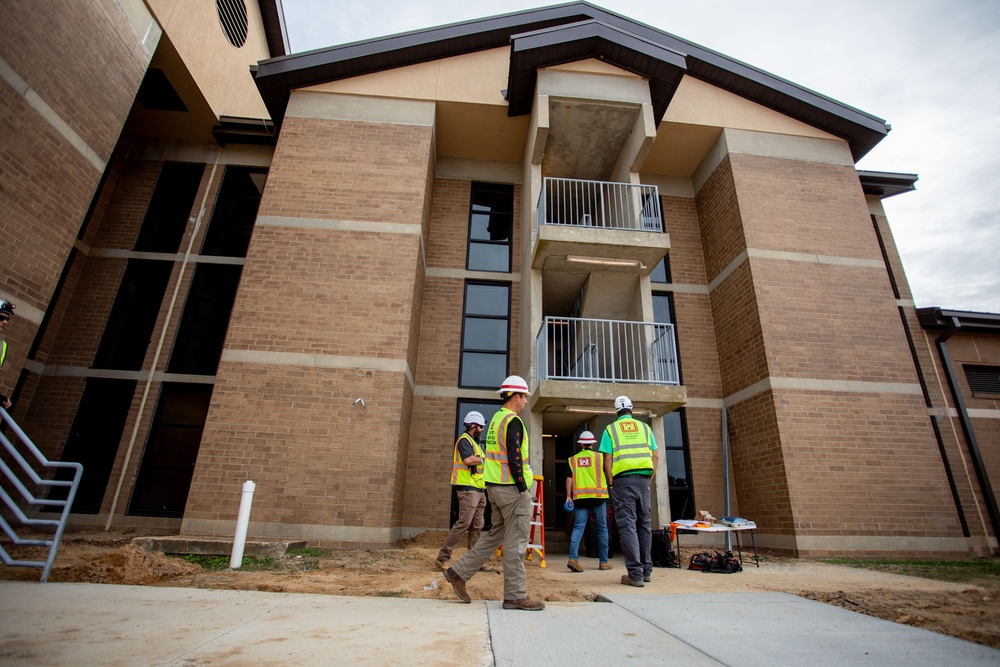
983	379
233	18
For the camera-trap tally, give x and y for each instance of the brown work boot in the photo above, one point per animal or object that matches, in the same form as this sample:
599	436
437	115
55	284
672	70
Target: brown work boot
604	566
458	584
527	604
574	565
629	581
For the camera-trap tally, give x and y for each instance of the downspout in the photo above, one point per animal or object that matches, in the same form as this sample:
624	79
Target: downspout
725	473
966	422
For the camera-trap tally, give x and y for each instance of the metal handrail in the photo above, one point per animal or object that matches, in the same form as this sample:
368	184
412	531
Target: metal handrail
30	498
591	350
568	201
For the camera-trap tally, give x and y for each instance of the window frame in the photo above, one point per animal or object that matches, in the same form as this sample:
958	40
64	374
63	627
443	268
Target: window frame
509	243
465	316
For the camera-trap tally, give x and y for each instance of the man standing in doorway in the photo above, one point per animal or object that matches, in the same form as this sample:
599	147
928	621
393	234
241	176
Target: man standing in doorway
508	479
587	493
467	479
630	462
6	312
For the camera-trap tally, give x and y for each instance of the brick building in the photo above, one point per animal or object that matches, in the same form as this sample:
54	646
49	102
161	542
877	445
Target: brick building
231	263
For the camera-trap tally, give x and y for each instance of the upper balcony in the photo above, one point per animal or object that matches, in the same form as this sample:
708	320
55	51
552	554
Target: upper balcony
583	363
599	223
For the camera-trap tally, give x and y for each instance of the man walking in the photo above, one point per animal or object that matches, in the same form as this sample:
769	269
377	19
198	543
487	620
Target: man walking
631	461
6	312
587	493
508	479
467	479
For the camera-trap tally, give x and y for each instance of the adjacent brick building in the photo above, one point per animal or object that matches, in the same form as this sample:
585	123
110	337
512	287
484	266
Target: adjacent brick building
231	263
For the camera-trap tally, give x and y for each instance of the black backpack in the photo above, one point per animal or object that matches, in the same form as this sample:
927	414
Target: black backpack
662	552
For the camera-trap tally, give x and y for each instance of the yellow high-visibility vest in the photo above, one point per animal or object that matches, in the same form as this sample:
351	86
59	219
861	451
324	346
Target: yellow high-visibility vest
589	480
630	446
495	469
463	475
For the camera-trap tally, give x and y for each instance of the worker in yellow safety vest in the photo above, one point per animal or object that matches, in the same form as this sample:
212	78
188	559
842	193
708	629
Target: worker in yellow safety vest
586	495
629	462
467	481
6	312
508	480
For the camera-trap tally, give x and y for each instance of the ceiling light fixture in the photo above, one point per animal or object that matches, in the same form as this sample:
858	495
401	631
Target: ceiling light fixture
606	261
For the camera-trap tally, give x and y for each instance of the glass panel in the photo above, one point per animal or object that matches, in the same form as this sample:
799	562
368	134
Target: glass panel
676	470
672	431
487	300
489	257
681	505
484	227
481	369
481	334
661	309
659	274
492	198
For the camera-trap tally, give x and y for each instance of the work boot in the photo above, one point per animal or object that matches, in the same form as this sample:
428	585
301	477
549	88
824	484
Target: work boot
442	564
629	581
647	578
604	566
458	584
574	565
527	604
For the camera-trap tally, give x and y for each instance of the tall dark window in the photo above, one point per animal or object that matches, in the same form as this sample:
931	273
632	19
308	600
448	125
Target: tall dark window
93	440
235	212
487	409
164	479
491	219
130	325
485	335
203	326
675	450
169	207
663	313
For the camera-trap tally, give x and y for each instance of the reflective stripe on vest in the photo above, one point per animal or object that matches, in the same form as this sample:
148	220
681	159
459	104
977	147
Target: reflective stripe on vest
588	475
465	475
3	354
496	470
630	440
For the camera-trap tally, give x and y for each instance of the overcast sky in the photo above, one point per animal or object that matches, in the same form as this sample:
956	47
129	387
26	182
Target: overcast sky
928	67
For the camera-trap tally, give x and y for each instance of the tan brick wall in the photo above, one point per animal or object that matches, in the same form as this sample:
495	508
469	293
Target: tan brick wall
863	464
428	471
81	57
722	234
687	257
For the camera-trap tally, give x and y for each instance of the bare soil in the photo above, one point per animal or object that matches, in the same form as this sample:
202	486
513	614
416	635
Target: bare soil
968	609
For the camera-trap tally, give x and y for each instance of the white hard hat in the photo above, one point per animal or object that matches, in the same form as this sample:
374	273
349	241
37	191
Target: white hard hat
475	418
587	438
515	384
623	403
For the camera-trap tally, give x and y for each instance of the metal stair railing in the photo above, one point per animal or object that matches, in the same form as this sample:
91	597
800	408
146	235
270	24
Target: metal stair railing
29	497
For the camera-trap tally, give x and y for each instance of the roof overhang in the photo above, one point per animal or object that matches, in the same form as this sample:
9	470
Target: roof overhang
658	55
273	14
962	320
886	184
530	51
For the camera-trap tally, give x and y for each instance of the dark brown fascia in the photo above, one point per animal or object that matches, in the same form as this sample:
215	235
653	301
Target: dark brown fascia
886	183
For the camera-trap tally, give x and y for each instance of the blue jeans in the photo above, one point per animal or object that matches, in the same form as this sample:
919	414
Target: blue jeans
580	517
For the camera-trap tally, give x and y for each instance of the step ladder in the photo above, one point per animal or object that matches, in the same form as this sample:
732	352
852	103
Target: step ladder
537	523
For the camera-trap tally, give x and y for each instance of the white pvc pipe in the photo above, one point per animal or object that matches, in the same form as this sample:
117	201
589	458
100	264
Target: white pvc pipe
242	521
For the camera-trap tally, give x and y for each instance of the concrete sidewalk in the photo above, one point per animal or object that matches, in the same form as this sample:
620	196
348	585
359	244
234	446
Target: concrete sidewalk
94	624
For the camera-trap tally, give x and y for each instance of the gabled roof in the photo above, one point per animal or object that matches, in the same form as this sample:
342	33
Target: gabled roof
565	33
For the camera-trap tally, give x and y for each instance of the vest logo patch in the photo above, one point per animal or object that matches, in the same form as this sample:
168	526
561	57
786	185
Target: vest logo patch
629	427
584	463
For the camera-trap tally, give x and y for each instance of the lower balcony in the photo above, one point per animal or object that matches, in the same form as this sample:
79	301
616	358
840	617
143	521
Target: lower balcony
583	364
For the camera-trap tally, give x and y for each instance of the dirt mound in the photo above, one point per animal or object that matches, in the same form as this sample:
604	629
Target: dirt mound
126	564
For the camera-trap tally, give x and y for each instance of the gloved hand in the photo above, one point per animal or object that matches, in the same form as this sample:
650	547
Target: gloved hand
568	505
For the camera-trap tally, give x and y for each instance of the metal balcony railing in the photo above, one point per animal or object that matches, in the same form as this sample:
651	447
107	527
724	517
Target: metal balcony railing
63	506
565	201
570	348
